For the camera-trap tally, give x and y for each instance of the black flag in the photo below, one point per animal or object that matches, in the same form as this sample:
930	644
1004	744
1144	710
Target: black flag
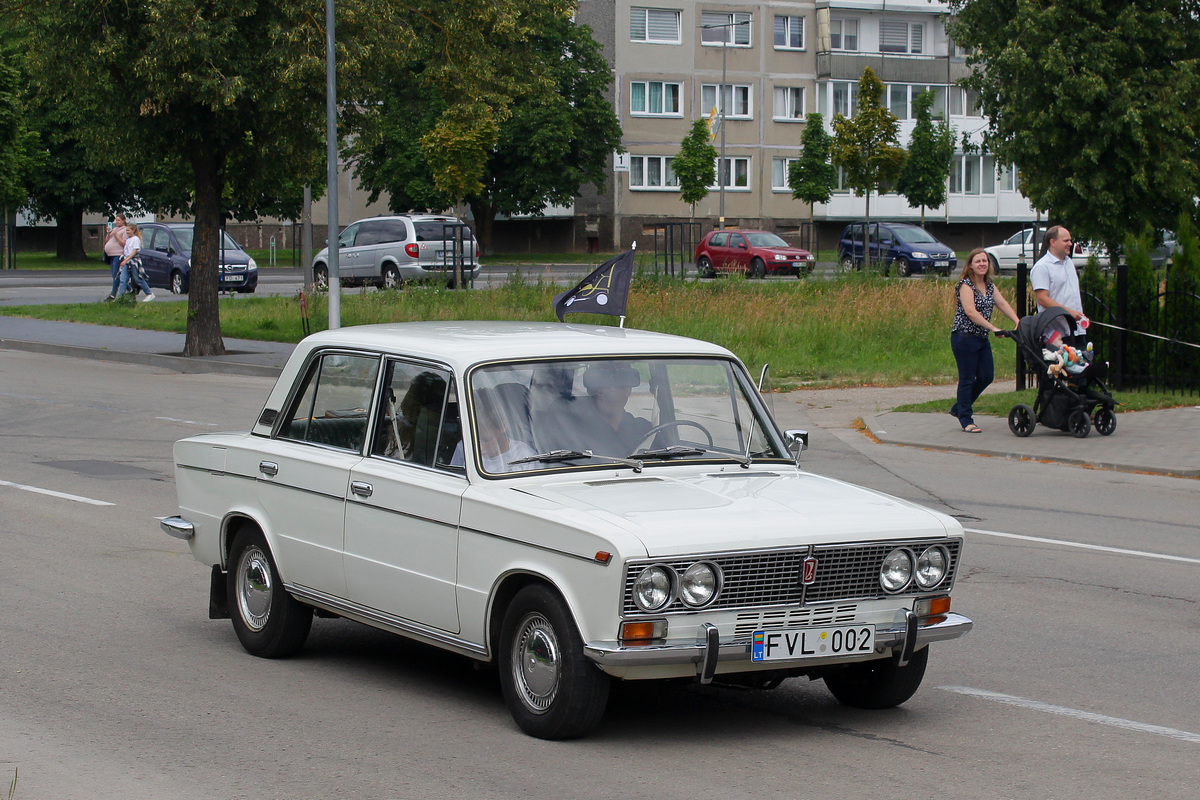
603	292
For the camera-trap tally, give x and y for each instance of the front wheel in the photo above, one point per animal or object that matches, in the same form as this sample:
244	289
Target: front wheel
1020	420
1078	424
552	689
1105	421
269	622
903	268
881	683
758	269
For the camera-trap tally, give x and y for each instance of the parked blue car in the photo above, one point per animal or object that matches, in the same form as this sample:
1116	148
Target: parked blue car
899	246
167	258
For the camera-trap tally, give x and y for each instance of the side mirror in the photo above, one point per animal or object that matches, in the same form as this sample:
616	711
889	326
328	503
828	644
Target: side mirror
797	441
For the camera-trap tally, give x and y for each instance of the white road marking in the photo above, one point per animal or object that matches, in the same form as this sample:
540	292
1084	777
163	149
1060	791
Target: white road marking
1086	716
187	421
52	493
1102	548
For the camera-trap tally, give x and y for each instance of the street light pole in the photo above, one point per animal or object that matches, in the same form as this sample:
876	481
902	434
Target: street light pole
723	166
331	175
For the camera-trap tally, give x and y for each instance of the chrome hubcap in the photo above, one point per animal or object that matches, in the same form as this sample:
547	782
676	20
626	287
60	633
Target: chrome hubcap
537	662
254	588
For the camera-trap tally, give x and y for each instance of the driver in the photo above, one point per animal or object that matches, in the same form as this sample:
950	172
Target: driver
600	420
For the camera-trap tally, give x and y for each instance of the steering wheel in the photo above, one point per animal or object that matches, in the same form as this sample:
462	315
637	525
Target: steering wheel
675	423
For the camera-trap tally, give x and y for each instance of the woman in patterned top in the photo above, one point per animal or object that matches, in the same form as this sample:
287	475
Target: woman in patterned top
975	298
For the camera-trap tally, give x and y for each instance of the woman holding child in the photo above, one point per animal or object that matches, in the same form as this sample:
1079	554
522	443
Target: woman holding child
976	297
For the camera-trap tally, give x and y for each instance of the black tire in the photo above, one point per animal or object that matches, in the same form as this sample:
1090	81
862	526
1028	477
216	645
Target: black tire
1078	424
705	268
178	282
903	268
995	264
1105	421
552	689
880	683
845	263
269	622
758	269
321	277
391	278
1021	420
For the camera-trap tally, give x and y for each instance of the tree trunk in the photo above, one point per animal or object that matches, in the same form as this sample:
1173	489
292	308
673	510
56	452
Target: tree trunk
485	220
68	238
868	262
204	311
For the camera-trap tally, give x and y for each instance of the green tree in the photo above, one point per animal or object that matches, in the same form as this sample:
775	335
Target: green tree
812	176
867	146
558	135
1095	102
695	165
18	153
923	181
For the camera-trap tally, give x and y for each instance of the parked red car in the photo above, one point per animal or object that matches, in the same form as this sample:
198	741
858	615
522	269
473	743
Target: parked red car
754	252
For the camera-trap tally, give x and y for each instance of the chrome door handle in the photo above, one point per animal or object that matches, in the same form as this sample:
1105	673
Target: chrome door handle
268	468
361	489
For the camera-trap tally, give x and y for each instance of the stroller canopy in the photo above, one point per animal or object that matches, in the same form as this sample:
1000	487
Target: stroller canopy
1031	328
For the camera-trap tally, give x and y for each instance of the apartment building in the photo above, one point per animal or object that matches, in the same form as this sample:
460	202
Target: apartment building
758	69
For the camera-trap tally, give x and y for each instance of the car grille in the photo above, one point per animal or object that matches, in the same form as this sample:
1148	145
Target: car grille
764	578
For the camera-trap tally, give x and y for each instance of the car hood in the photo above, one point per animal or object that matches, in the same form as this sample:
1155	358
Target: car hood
733	509
787	251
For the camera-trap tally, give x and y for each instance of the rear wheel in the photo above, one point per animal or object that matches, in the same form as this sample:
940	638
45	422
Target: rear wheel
320	277
178	284
1078	424
845	263
1021	420
758	269
1105	421
552	689
391	277
269	622
881	683
705	268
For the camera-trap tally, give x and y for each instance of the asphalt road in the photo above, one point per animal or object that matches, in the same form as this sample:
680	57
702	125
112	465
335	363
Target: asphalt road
1080	680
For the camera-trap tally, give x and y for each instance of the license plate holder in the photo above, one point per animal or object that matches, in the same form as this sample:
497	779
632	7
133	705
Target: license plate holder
941	263
794	644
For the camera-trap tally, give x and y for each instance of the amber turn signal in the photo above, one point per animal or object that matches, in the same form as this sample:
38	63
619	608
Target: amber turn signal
643	632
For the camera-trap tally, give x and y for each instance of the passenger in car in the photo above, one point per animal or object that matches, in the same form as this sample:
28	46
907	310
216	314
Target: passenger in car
497	451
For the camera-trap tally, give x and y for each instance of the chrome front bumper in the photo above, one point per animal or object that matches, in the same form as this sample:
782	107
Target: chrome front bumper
906	634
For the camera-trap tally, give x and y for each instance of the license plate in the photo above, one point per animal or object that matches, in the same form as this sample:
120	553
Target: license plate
801	643
941	263
234	278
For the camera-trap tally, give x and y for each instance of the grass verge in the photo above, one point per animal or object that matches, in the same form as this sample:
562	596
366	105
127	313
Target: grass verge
998	404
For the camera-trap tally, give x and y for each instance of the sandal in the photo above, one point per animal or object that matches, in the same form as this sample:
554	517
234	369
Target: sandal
972	429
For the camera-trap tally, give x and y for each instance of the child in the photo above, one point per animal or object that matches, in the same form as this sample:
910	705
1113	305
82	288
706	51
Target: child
131	265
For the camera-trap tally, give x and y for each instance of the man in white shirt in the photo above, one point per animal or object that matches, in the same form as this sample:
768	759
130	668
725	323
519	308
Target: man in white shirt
1054	279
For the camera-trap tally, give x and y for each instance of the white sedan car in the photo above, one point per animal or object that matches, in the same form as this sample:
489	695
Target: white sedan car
574	504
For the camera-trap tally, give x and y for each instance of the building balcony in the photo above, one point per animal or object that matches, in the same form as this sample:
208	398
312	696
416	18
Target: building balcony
891	68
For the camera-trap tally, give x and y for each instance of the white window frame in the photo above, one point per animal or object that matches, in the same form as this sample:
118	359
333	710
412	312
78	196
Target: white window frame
847	39
640	168
790	23
788	103
905	37
646	28
739	97
964	102
784	163
646	111
851	90
973	175
740	169
737	34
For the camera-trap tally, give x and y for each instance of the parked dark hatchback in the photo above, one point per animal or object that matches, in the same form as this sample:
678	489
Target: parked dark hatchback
754	252
167	258
900	246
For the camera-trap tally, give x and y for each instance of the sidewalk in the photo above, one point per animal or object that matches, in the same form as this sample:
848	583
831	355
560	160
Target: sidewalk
1163	442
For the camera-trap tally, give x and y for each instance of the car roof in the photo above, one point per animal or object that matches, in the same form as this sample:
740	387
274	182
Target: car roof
412	217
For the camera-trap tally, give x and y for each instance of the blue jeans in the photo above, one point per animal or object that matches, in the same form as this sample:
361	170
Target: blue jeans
975	372
129	274
114	263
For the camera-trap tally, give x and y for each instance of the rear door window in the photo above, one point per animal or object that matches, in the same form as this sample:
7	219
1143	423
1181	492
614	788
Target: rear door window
331	408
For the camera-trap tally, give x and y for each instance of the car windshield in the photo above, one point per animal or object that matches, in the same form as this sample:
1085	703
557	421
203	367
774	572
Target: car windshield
185	235
913	235
595	412
766	240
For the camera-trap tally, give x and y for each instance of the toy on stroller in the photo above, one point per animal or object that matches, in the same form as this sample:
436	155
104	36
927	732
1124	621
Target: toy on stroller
1071	393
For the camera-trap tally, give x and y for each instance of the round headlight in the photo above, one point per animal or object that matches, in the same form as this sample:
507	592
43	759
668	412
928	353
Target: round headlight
931	567
652	589
699	585
896	571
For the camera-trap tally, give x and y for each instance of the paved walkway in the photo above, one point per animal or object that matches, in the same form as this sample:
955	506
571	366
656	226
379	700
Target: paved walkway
1162	442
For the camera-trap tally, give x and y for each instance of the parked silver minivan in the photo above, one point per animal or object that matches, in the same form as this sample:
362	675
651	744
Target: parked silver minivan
387	251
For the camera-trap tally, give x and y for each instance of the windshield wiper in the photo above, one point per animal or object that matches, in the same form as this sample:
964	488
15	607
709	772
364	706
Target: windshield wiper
571	455
674	451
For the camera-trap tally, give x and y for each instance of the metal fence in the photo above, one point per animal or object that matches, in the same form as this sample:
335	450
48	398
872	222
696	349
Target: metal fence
675	247
1146	328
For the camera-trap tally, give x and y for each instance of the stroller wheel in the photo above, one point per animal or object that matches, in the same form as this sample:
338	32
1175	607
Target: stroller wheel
1078	424
1105	421
1020	420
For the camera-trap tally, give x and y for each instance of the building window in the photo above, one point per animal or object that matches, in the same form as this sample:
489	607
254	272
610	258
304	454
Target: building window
964	102
654	98
901	37
729	28
841	187
971	174
735	101
789	103
845	98
652	173
654	25
789	33
843	34
780	166
735	175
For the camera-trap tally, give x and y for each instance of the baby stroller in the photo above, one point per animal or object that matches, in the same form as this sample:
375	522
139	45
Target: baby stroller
1066	400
